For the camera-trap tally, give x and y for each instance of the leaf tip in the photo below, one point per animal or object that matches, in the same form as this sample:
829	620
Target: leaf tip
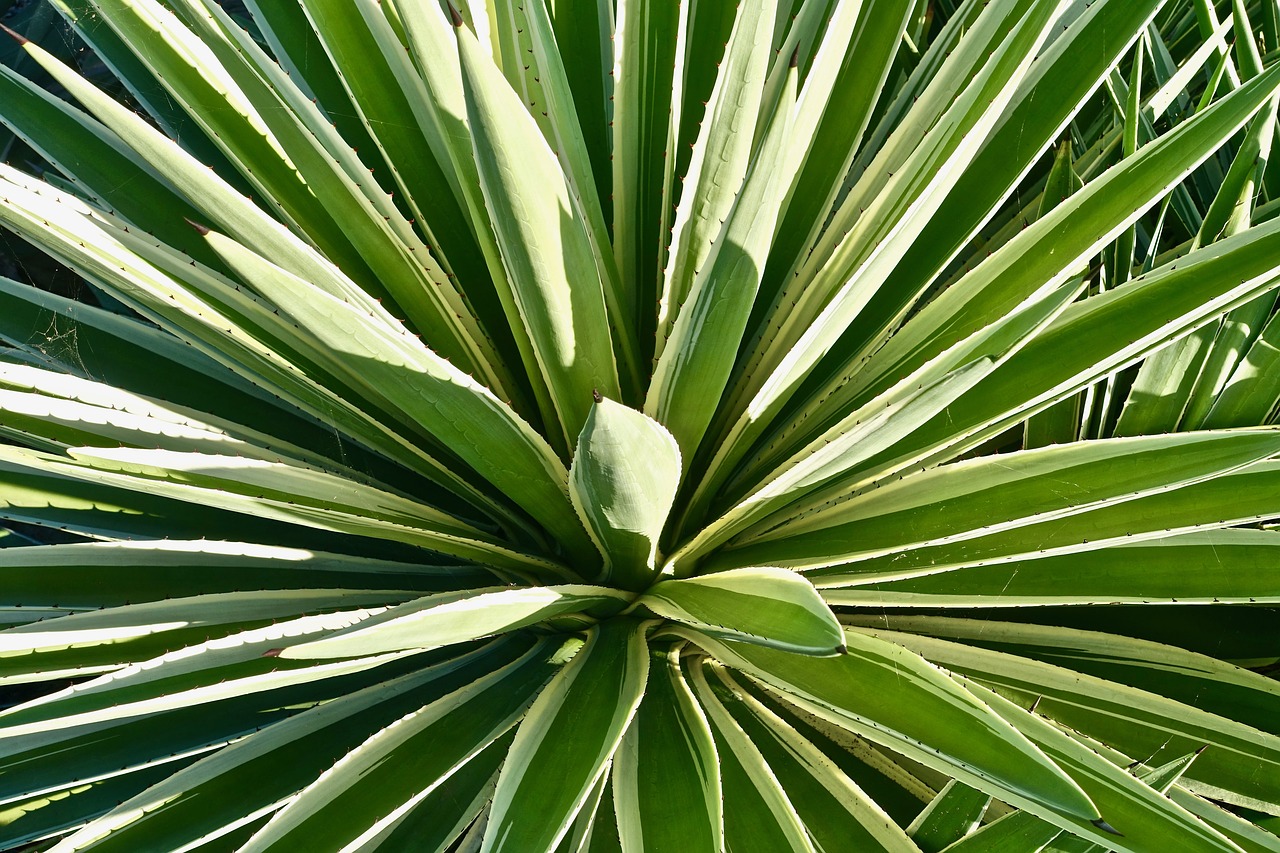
454	17
795	58
1106	827
597	396
17	36
272	653
842	649
202	230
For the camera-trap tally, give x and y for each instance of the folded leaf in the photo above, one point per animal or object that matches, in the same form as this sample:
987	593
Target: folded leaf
770	607
567	738
623	481
666	756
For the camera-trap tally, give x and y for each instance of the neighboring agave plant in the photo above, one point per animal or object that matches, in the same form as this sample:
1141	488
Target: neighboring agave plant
645	425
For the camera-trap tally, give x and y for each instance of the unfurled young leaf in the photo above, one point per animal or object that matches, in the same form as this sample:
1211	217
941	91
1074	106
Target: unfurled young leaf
569	426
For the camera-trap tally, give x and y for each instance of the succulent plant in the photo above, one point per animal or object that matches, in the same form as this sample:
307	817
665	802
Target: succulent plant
645	426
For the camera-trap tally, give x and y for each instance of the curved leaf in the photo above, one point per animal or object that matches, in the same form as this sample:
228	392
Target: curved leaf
769	607
455	617
891	696
668	755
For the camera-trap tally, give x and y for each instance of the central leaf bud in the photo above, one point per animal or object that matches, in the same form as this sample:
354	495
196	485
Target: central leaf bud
623	482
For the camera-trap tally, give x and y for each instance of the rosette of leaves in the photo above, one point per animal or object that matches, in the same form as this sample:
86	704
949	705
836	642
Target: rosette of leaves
661	427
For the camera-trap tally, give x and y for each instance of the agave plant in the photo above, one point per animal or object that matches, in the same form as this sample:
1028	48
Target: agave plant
524	426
